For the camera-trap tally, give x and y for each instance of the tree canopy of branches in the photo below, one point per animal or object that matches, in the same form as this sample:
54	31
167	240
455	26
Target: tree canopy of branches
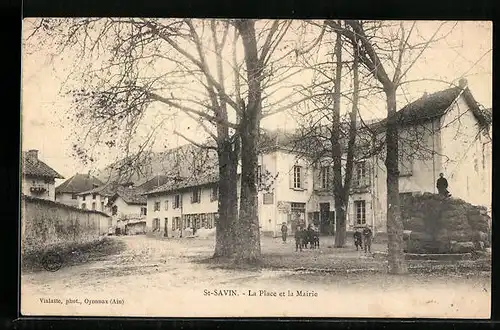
131	65
383	45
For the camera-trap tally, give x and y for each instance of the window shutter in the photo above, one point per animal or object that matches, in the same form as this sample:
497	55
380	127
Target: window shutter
304	172
291	175
166	204
192	199
180	201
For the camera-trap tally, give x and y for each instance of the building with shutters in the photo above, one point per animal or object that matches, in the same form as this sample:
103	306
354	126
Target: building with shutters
444	132
38	178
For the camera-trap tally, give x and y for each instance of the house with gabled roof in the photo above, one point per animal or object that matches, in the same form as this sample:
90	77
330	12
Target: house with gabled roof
124	202
67	192
182	204
38	178
444	132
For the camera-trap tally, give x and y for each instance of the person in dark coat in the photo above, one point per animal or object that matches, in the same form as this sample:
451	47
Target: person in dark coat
358	240
284	232
299	238
442	185
367	239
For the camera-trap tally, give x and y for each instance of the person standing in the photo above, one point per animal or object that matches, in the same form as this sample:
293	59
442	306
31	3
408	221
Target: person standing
284	232
442	185
299	239
367	239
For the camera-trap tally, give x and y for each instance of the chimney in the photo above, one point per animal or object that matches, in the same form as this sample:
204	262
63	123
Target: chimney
462	83
32	154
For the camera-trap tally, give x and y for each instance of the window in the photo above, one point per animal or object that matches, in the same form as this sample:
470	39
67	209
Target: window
93	206
405	156
360	209
144	210
259	175
73	196
156	224
214	195
166	204
325	177
176	224
84	206
297	177
156	206
177	202
94	196
102	206
196	197
114	210
83	197
359	177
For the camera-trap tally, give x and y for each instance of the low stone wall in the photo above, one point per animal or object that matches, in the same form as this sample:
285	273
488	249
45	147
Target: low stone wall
435	224
45	223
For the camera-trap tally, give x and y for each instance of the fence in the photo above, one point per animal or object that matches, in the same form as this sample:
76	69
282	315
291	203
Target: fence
45	223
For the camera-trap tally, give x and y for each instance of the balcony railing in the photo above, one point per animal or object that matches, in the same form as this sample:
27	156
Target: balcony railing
38	189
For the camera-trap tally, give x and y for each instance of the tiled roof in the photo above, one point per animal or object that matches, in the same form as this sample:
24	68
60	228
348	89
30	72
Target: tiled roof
104	190
155	182
35	167
78	183
195	181
131	195
435	105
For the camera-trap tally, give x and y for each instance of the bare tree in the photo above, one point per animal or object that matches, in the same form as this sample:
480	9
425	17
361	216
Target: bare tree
132	65
376	52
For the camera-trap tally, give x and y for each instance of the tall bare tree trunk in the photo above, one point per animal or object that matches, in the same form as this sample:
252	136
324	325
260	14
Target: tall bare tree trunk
396	258
228	200
338	191
248	245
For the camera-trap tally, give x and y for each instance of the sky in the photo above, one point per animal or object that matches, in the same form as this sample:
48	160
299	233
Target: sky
467	51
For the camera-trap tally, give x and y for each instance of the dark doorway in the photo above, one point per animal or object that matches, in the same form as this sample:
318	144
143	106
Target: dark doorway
326	219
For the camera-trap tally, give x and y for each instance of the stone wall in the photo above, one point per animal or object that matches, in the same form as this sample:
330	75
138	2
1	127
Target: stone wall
47	223
435	224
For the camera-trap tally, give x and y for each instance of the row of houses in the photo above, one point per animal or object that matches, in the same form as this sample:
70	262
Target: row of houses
445	132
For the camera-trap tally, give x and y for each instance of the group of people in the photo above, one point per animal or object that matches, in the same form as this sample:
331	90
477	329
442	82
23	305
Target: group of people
303	237
363	238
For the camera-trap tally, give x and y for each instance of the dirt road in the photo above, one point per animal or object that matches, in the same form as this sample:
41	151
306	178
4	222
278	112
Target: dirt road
155	277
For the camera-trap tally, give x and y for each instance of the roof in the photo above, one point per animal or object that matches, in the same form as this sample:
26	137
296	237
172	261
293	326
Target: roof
155	182
35	167
195	181
104	190
78	183
435	105
130	195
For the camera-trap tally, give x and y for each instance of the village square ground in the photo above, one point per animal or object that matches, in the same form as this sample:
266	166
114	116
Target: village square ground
153	276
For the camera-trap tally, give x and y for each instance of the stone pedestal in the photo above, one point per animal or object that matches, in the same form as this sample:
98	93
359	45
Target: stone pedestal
435	224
